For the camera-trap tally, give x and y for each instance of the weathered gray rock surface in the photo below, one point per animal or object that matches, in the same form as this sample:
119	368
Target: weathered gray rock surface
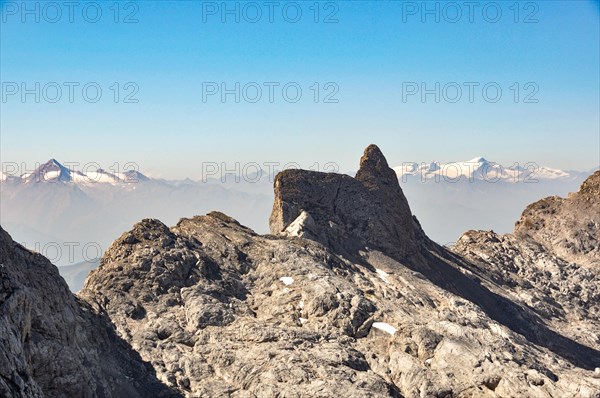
348	297
551	263
348	213
567	227
53	344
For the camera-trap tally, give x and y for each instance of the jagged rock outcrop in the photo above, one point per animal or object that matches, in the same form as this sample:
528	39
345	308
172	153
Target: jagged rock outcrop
373	217
551	262
348	297
54	345
220	311
569	228
347	213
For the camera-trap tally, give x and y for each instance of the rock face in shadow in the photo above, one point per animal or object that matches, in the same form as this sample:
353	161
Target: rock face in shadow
551	261
54	345
346	297
348	213
369	213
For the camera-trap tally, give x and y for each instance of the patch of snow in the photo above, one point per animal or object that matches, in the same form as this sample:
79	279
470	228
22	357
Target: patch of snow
549	174
386	327
382	275
287	280
301	304
92	177
297	226
122	176
303	320
479	159
51	175
498	330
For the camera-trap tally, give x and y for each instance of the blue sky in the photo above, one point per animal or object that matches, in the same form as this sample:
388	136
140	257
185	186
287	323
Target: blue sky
177	49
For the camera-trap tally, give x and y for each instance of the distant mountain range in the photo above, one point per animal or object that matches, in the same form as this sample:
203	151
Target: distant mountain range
484	170
52	171
345	296
54	206
478	193
478	168
72	216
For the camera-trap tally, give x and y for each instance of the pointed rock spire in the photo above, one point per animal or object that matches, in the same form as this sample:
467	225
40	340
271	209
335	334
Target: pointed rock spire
348	213
374	171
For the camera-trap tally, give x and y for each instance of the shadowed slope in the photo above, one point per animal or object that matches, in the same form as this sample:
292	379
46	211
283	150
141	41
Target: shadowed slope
53	344
370	212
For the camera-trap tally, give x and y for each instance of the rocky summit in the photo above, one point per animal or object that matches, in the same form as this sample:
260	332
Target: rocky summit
347	297
551	262
52	344
345	213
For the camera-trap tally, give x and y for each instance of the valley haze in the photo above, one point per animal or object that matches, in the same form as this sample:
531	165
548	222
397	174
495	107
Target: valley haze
346	294
72	216
195	200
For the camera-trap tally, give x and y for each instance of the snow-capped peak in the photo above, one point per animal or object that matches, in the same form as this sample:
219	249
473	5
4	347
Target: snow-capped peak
478	168
479	159
54	171
133	176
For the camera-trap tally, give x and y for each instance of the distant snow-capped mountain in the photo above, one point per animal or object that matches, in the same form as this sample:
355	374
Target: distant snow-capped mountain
53	171
54	207
482	169
478	193
50	171
72	216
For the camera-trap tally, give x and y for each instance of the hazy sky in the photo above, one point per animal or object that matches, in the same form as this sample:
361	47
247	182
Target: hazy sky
368	59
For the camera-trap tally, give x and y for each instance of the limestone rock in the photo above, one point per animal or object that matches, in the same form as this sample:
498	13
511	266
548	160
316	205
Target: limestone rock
349	212
552	261
221	311
347	297
569	228
52	344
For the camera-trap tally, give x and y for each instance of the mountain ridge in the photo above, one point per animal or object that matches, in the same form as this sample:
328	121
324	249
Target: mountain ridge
347	296
331	266
53	344
482	169
57	171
